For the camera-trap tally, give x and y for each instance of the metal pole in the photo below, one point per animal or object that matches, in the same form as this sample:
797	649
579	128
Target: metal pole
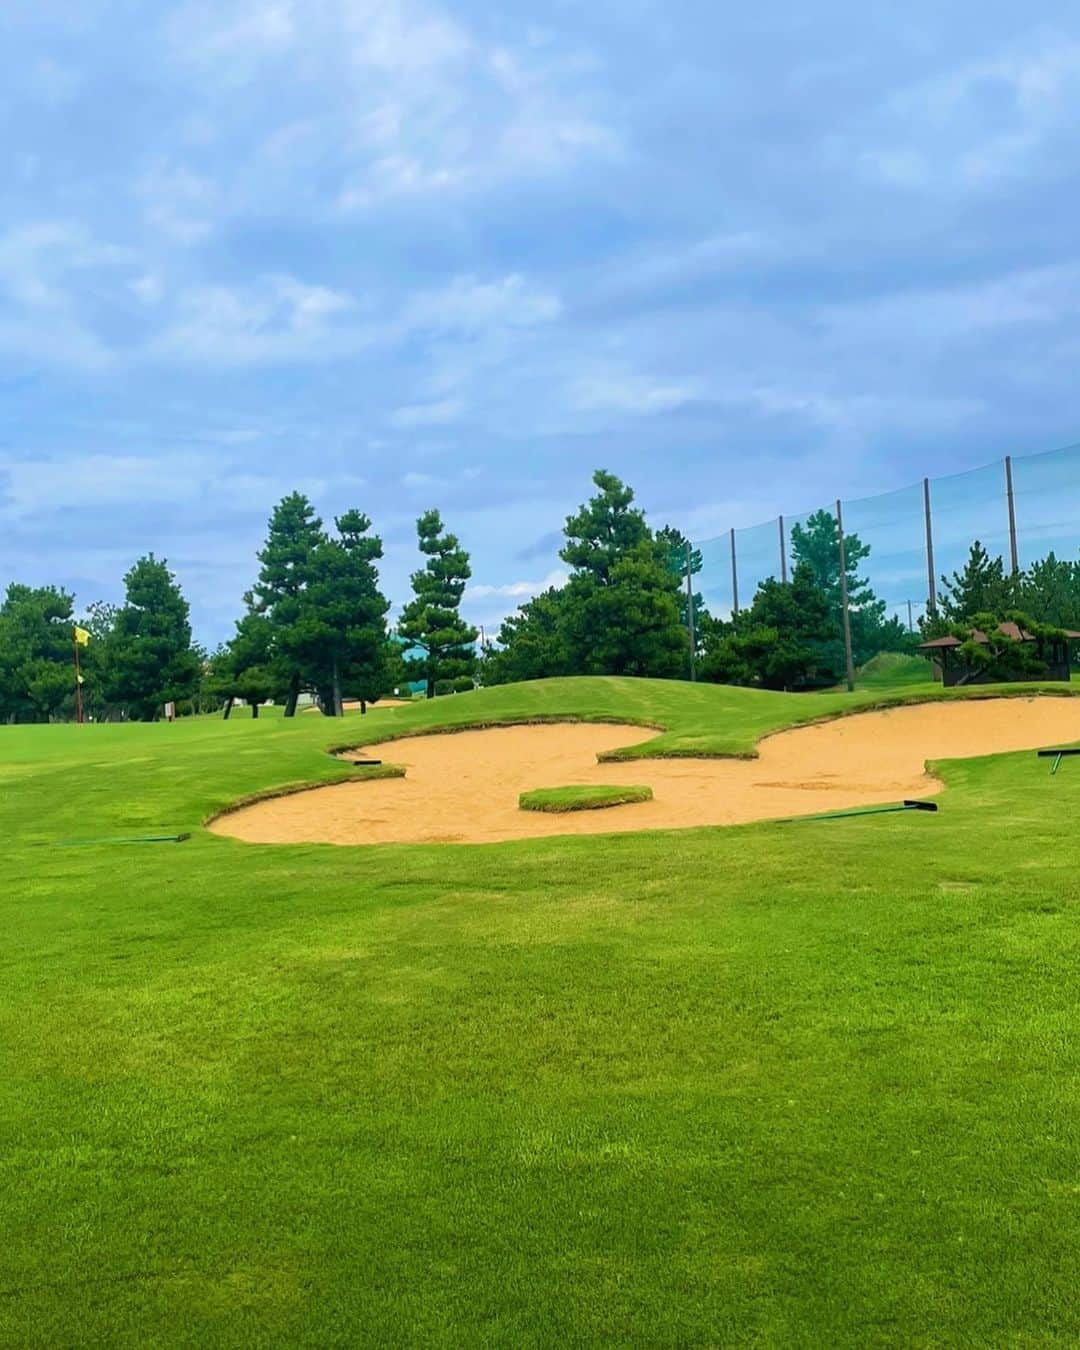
1012	515
690	611
849	663
734	577
910	621
931	594
783	553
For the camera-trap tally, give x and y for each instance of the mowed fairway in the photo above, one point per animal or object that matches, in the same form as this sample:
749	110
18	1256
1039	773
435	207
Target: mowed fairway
805	1084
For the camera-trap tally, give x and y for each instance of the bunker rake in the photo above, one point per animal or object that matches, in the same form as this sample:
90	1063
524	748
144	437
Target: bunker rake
869	811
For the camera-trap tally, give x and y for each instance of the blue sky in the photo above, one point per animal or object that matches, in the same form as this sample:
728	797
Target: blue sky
401	254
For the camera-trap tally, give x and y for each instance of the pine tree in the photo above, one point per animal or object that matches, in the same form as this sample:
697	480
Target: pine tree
295	532
618	613
785	640
629	625
150	659
431	621
620	607
982	586
817	543
531	644
1050	591
243	669
345	616
36	672
604	530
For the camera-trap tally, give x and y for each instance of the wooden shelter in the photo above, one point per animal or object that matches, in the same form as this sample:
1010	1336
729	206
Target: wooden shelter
1056	652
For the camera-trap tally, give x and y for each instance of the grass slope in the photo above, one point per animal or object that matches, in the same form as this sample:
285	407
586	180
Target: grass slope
582	797
781	1085
891	671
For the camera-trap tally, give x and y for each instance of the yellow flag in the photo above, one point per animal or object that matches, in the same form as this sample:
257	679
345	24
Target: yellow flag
82	637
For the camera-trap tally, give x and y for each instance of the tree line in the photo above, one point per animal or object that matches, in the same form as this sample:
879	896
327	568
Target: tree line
316	620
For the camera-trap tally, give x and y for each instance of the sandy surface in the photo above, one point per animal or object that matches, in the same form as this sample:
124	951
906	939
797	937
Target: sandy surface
353	705
463	788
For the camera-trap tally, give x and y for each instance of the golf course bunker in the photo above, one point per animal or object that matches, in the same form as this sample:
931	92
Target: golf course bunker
463	787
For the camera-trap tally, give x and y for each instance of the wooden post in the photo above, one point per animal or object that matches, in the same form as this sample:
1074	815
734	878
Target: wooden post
849	663
1012	515
690	611
783	553
931	593
734	577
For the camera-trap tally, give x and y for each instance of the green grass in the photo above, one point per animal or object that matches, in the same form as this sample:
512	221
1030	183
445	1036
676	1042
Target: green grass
773	1085
894	671
582	797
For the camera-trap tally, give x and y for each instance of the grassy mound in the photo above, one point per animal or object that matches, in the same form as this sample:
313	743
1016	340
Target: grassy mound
893	671
582	797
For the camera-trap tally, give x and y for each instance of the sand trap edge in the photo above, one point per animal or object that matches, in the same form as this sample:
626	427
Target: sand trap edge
372	775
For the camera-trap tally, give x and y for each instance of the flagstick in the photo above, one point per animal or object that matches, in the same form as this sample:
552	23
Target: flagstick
78	686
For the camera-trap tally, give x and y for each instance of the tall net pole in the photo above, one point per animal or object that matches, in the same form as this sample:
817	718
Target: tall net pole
931	583
783	551
1015	556
690	611
734	577
848	660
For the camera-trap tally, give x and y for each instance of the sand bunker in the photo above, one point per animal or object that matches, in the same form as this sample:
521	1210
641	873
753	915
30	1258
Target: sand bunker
463	788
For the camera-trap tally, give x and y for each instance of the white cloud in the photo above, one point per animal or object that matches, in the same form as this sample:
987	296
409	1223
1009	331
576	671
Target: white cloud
44	486
422	104
52	82
467	303
177	203
402	39
41	266
518	590
631	393
1033	296
979	123
277	318
147	288
427	414
227	34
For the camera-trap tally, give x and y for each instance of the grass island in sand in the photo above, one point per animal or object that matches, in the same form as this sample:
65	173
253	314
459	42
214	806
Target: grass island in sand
582	797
